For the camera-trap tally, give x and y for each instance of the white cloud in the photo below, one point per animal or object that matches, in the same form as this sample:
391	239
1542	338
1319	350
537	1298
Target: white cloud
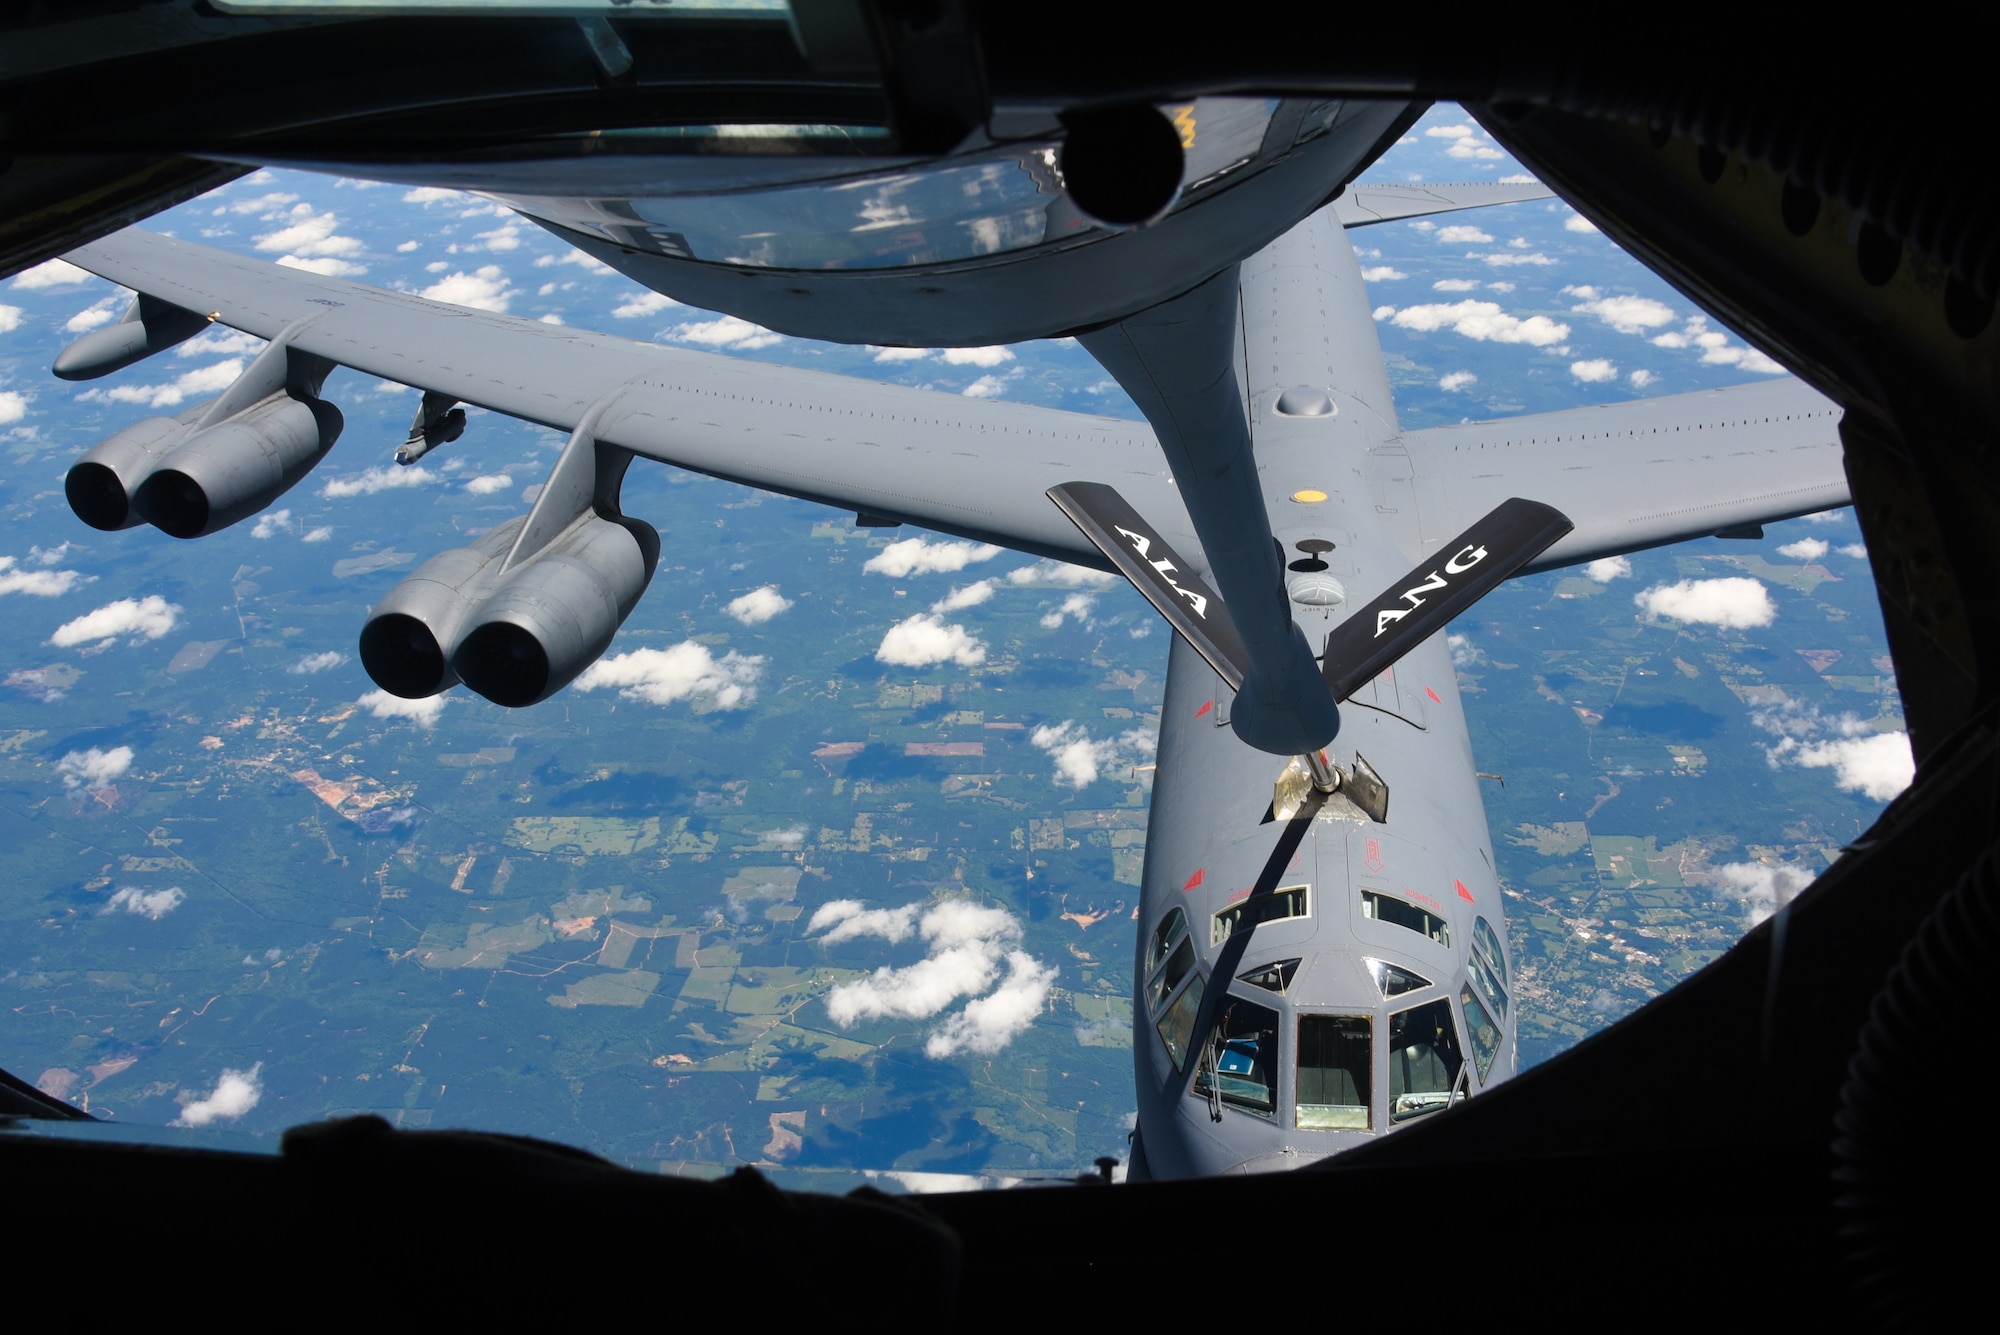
146	618
52	273
210	379
502	238
1736	603
48	556
986	387
758	606
1506	259
485	288
1641	379
685	671
587	262
1080	759
272	524
326	266
1449	132
265	204
1062	574
967	947
38	583
1627	315
405	247
220	341
1761	888
1455	381
236	1093
1593	370
13	407
644	304
1576	222
984	357
1454	285
424	713
1464	653
1518	178
1716	347
428	195
900	354
320	534
1828	516
1077	605
91	316
94	768
1382	273
1482	321
1876	764
918	556
727	332
10	318
378	479
308	234
154	904
924	640
1805	549
1855	550
1469	147
1463	234
1605	569
320	662
488	483
960	598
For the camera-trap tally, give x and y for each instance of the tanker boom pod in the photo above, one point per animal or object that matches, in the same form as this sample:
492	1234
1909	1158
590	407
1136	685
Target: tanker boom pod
150	325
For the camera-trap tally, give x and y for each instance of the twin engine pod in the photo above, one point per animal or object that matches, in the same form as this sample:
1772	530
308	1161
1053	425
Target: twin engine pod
187	480
514	634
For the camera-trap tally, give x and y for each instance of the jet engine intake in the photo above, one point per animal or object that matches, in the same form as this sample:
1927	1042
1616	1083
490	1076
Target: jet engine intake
406	642
236	468
101	484
554	616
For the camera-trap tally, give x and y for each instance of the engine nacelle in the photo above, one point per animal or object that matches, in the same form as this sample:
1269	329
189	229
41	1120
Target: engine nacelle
237	467
406	643
552	618
101	484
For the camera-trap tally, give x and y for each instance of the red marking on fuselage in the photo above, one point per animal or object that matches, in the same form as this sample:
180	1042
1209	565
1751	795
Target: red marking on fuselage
1193	880
1373	860
1433	695
1423	898
1204	709
1464	893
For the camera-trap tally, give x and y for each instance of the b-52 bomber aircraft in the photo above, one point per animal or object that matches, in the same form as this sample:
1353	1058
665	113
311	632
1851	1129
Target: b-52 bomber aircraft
1322	951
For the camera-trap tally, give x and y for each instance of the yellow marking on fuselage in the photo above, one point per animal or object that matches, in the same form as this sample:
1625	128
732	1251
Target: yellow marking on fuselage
1184	122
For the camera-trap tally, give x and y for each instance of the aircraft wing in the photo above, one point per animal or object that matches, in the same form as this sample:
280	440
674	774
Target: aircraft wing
976	468
1639	474
1365	204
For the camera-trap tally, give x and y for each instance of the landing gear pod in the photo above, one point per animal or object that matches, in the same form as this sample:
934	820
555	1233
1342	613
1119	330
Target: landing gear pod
231	471
554	617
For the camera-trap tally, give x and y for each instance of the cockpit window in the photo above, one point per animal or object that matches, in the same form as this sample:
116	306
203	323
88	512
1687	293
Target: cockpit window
1272	977
1291	902
1334	1066
1424	1060
1169	978
1485	1033
1392	981
1488	967
1177	1025
1240	1064
1171	928
1387	908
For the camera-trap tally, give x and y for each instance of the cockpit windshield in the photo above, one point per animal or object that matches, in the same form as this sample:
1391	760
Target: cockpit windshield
1240	1065
1335	1063
1424	1060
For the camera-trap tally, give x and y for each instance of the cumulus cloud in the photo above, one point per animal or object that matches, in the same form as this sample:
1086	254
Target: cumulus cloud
644	304
320	662
1641	379
272	524
210	379
588	263
428	195
235	1093
154	904
728	332
1464	653
309	235
1594	370
1878	765
94	768
1448	132
10	318
1080	759
970	595
91	316
485	288
1576	222
488	483
1470	148
39	583
892	355
1382	273
424	713
1716	349
13	405
320	534
1856	550
1077	606
1762	889
378	479
1607	568
986	387
1463	234
146	618
919	556
686	671
1454	285
1735	603
1828	516
269	204
988	357
326	266
758	606
1454	381
1062	574
52	273
503	238
217	341
1805	549
1627	315
1482	321
925	640
969	945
